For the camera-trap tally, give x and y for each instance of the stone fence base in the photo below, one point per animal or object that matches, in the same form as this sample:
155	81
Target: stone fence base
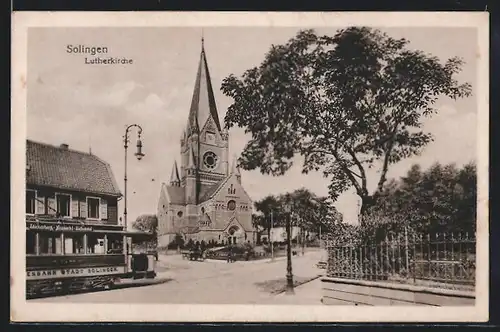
336	291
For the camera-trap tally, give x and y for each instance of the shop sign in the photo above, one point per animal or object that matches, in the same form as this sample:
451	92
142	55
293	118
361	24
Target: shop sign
57	227
74	272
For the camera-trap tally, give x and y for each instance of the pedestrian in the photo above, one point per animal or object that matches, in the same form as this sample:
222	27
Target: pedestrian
230	258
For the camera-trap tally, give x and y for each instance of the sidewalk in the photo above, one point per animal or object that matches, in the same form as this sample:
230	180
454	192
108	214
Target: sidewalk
305	294
160	278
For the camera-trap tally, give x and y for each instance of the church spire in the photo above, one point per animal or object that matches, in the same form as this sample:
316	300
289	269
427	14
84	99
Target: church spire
174	177
203	102
202	42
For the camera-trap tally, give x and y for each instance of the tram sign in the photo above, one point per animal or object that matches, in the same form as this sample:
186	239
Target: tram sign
57	227
74	272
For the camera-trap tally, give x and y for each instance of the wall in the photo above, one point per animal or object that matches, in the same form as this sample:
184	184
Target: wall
337	291
46	204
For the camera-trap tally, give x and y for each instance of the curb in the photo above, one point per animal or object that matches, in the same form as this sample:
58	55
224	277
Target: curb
141	282
302	284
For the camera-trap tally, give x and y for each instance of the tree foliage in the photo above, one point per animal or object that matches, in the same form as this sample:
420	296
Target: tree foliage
439	199
308	211
147	223
345	103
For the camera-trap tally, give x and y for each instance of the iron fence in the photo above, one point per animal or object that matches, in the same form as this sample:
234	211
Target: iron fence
438	260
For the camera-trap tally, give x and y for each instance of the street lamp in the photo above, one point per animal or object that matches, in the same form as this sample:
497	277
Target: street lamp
138	154
289	275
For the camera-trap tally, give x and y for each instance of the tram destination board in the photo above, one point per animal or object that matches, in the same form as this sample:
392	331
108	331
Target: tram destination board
74	272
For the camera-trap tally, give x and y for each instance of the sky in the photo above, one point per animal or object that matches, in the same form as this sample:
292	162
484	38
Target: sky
89	106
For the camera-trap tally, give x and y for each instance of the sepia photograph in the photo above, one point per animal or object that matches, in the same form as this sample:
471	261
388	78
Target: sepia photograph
282	168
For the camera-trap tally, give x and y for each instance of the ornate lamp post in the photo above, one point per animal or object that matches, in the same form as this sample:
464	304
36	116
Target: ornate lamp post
289	275
138	154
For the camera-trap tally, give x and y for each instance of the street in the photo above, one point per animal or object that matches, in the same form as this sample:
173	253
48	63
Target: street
213	282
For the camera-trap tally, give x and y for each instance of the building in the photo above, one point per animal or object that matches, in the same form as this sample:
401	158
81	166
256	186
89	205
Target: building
71	202
204	199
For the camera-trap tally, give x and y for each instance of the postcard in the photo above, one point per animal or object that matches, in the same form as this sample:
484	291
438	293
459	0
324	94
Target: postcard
249	167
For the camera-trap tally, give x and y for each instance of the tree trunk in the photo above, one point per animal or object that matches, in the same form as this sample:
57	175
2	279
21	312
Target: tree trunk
367	202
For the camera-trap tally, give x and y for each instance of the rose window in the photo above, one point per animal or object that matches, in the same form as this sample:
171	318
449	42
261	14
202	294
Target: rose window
210	160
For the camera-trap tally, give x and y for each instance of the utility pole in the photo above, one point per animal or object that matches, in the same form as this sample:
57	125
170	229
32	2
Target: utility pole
303	241
289	275
271	237
320	236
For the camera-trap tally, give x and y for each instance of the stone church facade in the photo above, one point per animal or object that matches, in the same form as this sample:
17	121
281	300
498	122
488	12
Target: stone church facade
204	199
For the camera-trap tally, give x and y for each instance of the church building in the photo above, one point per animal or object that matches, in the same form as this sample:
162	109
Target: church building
204	199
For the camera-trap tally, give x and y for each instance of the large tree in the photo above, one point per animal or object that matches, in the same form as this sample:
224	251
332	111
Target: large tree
345	103
439	199
147	223
268	208
309	211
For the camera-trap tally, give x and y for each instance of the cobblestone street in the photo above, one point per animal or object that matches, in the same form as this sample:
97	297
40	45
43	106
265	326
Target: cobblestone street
214	282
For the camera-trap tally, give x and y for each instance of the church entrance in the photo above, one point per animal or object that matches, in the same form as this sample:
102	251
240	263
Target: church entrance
232	232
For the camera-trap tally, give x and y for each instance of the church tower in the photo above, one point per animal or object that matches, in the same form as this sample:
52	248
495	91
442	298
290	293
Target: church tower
204	199
204	143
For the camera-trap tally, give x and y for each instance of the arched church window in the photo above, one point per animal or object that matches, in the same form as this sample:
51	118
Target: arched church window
202	210
179	214
231	205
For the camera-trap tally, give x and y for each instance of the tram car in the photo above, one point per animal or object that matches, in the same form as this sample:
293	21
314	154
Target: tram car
107	257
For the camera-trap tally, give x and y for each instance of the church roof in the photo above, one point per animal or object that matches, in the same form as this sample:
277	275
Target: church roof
203	103
174	177
176	194
208	191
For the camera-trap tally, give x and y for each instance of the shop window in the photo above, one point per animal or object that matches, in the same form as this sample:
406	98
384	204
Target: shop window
50	244
30	201
95	244
30	243
93	208
63	205
115	244
73	244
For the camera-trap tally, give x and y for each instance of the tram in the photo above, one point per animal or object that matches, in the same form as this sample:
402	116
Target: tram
66	257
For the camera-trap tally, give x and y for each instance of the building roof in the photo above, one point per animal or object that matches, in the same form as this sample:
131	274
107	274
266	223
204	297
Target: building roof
203	103
176	195
208	191
174	177
62	168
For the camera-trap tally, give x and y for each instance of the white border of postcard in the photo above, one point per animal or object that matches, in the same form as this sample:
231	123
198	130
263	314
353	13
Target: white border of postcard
25	311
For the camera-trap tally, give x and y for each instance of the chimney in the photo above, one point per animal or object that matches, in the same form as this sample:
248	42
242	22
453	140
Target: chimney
64	146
